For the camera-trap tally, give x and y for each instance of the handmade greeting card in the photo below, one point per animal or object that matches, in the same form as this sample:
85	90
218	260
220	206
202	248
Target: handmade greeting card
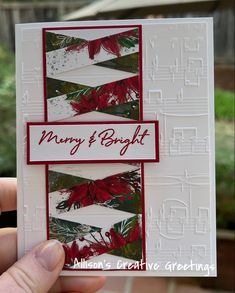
116	145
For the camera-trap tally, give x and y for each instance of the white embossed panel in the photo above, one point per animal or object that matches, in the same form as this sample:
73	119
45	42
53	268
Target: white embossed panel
179	191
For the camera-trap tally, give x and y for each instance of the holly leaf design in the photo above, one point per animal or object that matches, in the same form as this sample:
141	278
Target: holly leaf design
131	250
128	42
66	231
59	41
75	96
129	63
128	110
57	87
59	181
124	227
130	203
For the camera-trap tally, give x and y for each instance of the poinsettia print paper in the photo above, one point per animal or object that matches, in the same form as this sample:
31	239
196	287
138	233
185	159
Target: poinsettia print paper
87	238
112	60
98	72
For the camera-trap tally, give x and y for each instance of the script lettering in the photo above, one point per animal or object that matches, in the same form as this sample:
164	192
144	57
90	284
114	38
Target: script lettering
50	136
108	139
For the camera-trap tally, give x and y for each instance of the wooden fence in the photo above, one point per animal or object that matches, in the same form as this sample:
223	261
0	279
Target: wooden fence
224	32
20	12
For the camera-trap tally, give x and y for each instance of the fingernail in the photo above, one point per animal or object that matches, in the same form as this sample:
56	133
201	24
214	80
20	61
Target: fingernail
49	254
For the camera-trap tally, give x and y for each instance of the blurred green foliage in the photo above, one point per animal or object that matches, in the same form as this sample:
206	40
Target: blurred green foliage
7	114
224	134
225	174
224	105
224	112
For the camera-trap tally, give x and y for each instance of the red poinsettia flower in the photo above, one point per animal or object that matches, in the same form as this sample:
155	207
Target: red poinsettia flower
99	194
77	47
122	89
86	103
85	252
116	185
130	33
71	253
104	101
110	44
117	240
99	191
78	193
94	47
98	248
134	234
114	93
113	239
121	198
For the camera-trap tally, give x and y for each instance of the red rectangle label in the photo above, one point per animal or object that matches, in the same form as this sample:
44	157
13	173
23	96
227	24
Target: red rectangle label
90	142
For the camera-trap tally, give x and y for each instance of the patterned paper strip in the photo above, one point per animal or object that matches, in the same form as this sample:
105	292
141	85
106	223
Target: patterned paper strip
90	52
59	41
56	87
86	99
73	198
113	192
129	63
61	181
111	94
67	231
116	240
112	44
69	98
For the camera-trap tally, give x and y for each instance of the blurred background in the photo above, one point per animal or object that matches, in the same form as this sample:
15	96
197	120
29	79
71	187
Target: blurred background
12	12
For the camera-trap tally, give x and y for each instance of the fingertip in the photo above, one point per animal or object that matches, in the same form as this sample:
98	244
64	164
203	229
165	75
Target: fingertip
39	268
79	284
102	280
50	255
7	194
8	248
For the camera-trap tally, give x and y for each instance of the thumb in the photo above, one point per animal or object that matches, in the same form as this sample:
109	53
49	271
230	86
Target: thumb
37	271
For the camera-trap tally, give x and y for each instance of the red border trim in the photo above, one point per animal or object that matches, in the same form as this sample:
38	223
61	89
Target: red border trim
89	27
44	74
30	162
27	144
157	148
140	74
143	216
47	201
140	117
143	225
93	122
92	27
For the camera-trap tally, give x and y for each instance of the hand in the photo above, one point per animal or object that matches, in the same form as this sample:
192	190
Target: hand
38	271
